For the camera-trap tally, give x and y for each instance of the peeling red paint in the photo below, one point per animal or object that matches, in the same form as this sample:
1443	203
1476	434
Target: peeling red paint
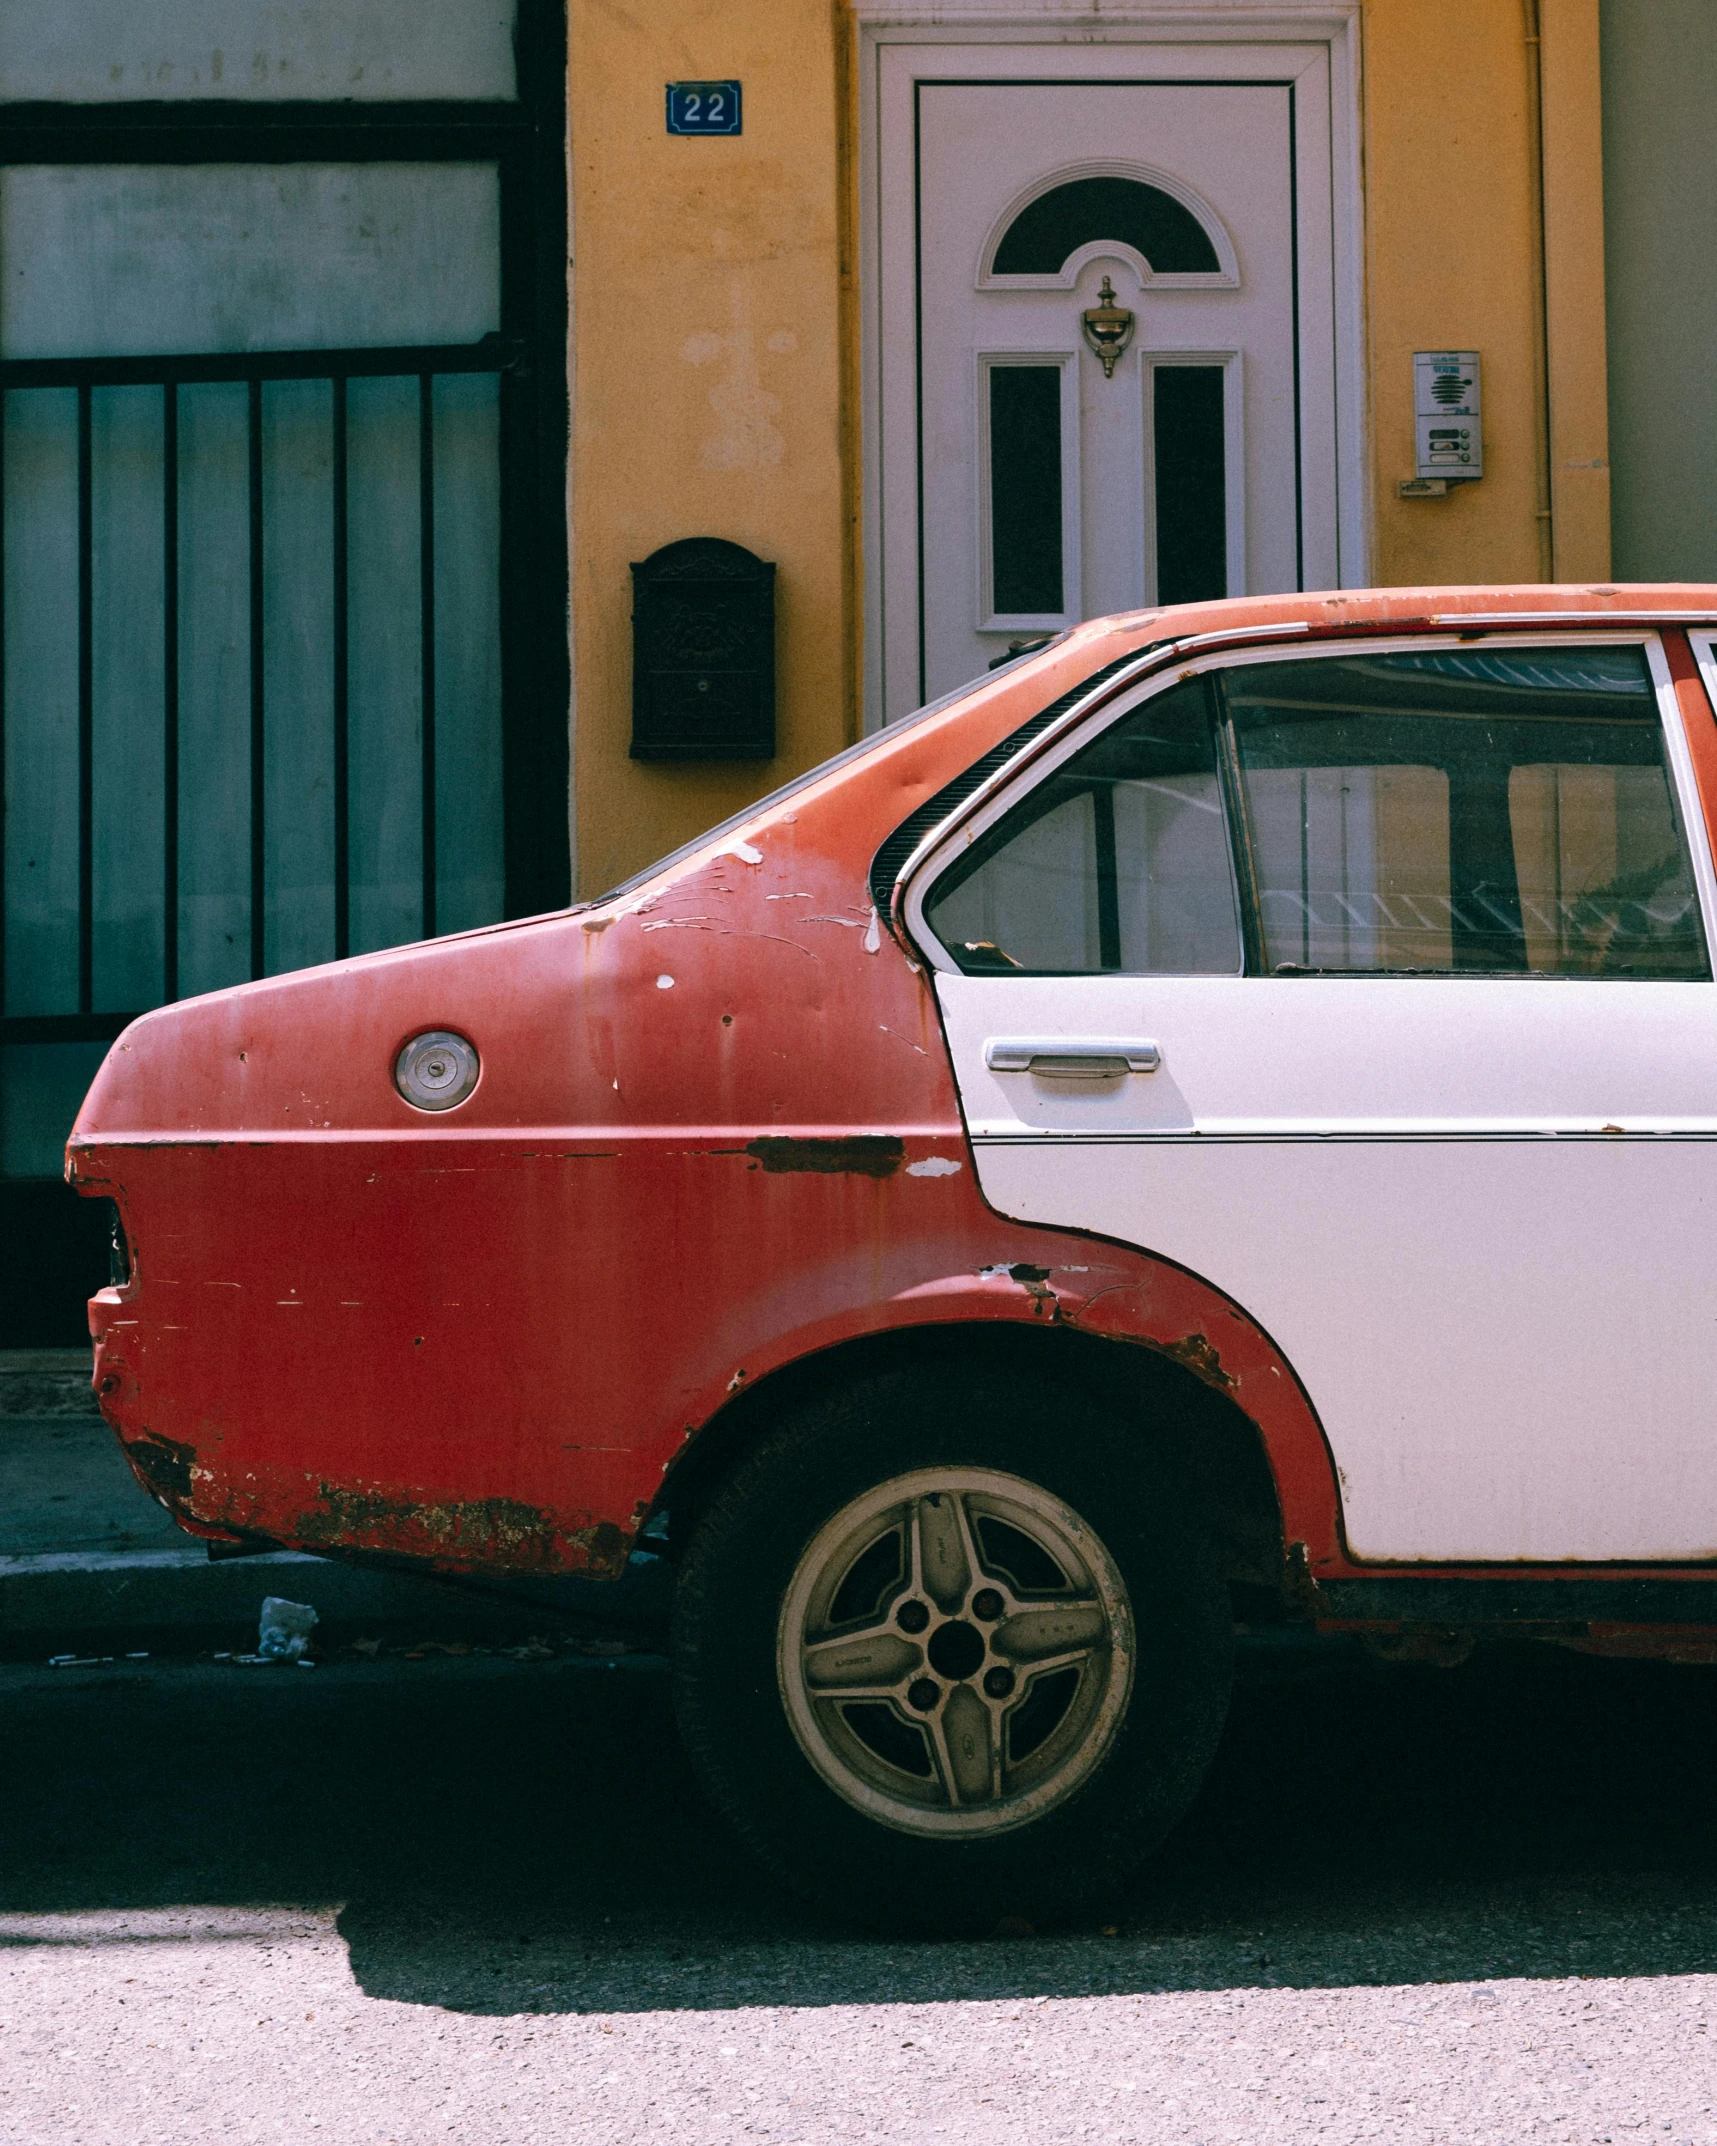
851	1154
164	1467
1194	1351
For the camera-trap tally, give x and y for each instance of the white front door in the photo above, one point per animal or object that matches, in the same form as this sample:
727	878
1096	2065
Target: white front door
1106	351
1388	975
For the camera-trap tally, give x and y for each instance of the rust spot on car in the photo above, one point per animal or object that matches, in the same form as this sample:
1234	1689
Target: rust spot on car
1195	1352
397	1521
845	1155
163	1466
1033	1280
498	1532
600	1550
1299	1587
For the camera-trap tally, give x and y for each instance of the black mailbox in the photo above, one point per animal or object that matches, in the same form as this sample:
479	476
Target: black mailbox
703	653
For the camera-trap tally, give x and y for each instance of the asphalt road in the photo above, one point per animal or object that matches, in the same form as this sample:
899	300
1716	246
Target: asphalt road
478	1901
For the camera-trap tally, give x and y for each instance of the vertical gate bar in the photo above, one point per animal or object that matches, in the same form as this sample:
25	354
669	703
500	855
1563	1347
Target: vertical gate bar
426	588
342	689
258	764
86	711
169	691
2	701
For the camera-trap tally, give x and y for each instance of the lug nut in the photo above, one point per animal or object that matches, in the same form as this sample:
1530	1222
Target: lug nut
987	1604
998	1682
912	1616
924	1694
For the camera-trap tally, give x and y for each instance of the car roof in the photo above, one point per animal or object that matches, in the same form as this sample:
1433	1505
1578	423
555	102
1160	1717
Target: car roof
880	779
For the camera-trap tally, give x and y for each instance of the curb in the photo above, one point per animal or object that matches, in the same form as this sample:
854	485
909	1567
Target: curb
162	1590
47	1382
73	1601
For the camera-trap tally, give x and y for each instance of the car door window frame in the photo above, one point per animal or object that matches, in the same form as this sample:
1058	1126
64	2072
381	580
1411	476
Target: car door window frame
1690	818
1702	644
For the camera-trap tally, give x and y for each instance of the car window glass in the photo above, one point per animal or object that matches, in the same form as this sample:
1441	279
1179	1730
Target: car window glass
1118	861
1482	811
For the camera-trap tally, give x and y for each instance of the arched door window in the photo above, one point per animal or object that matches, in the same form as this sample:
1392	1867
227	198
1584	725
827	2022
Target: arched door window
1147	220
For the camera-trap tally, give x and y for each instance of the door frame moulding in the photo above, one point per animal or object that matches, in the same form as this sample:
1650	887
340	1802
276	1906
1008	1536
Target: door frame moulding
885	27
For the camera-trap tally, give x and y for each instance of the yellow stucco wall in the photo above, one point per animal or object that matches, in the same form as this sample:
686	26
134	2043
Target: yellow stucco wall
708	331
1451	264
714	376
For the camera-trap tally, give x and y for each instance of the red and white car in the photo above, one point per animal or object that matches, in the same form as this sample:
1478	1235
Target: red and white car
1216	1120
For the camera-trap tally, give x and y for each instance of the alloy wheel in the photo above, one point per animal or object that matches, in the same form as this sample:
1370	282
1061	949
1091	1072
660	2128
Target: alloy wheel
955	1652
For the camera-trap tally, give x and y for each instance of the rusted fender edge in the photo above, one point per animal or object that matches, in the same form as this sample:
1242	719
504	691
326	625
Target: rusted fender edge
1114	1294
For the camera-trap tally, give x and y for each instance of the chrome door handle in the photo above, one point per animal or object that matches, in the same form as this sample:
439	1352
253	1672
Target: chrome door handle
1072	1057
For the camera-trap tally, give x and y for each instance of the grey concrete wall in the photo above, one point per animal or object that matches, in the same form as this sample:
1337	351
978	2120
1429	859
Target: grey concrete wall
1660	245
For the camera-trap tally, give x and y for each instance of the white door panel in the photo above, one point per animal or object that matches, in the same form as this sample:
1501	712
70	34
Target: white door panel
1458	1433
983	148
1290	1148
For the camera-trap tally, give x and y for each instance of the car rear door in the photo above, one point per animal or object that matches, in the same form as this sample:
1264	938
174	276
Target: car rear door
1372	984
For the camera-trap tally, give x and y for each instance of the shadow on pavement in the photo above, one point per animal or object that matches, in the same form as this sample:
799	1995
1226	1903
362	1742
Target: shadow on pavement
506	1837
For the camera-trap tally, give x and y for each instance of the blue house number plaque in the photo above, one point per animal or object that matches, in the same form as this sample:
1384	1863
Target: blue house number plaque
703	108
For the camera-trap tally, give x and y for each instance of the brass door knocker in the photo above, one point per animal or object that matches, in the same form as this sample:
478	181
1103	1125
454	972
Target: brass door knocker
1108	328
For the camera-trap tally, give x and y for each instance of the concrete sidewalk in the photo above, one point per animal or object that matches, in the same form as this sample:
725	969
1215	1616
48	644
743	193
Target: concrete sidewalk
89	1563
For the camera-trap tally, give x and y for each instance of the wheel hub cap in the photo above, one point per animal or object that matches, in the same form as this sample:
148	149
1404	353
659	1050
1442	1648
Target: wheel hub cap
955	1652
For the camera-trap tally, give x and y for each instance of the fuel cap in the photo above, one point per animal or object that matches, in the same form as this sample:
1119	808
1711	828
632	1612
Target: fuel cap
436	1071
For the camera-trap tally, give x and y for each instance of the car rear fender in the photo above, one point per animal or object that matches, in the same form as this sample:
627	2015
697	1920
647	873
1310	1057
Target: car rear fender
1047	1283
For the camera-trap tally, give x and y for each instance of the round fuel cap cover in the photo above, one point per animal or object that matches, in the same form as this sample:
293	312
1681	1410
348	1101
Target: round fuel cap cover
437	1070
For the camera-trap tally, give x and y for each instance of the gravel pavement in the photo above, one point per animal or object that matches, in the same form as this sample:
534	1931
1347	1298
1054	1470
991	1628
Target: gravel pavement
477	1900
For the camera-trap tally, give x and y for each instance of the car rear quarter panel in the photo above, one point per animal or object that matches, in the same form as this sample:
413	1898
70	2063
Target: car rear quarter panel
715	1126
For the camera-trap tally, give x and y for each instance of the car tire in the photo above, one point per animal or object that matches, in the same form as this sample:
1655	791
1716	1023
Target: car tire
948	1653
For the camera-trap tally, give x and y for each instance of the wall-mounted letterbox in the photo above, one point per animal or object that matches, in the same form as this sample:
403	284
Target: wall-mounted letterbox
703	653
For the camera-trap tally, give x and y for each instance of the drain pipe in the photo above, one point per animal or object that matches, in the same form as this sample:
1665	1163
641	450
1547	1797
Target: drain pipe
1545	521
